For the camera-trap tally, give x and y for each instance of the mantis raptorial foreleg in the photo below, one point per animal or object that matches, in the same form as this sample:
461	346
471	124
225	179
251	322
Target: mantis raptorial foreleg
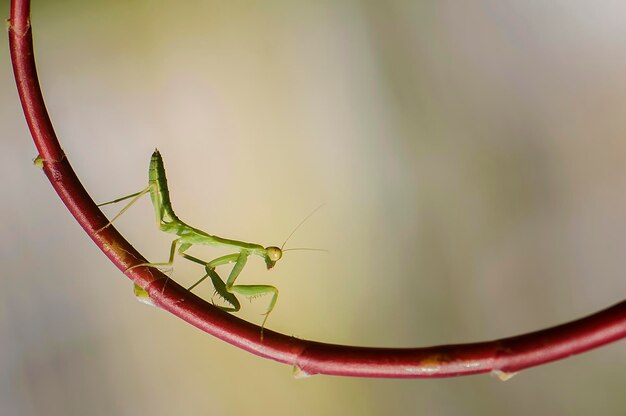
220	289
227	290
250	290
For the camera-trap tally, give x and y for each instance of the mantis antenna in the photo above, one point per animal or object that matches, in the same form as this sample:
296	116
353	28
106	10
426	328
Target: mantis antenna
296	229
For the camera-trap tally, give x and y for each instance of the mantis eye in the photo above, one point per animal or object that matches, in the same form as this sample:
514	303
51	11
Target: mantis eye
274	253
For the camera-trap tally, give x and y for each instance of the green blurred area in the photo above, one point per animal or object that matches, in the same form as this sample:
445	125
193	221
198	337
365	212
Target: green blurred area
472	159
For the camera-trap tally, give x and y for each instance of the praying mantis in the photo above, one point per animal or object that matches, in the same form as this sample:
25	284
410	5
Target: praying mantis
188	236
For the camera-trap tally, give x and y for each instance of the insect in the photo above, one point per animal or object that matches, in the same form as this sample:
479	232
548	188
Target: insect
188	236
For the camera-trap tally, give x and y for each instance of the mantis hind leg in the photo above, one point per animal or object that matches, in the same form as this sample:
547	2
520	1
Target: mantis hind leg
134	199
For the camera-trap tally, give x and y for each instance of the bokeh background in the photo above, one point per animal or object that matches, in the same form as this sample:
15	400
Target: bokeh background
471	157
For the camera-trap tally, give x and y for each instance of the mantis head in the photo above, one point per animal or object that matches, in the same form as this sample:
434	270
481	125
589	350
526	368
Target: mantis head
272	255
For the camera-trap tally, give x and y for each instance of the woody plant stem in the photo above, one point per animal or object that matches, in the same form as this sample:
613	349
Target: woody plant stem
504	356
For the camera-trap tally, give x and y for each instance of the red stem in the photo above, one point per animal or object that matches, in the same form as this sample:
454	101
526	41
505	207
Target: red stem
507	355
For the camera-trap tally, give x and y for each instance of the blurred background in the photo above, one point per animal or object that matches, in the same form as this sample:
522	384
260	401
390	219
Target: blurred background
471	157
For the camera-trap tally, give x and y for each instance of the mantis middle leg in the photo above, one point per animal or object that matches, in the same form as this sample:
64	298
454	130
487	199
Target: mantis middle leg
181	251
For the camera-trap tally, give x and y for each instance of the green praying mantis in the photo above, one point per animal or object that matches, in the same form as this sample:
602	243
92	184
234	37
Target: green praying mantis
188	236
